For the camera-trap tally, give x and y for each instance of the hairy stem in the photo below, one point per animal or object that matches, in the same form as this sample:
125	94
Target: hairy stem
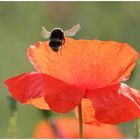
137	128
12	130
80	121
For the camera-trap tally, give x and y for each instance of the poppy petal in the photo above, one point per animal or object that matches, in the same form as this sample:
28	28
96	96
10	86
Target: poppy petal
88	112
39	103
85	63
64	129
61	97
115	104
25	86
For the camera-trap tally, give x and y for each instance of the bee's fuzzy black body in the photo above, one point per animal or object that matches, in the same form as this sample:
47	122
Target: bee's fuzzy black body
56	39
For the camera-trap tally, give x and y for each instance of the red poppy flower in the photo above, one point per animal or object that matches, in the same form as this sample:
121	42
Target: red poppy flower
63	128
85	69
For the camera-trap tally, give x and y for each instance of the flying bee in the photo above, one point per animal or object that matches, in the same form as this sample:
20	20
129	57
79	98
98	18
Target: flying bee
57	36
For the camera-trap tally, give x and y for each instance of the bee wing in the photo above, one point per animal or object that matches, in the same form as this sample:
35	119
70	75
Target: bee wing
45	33
72	31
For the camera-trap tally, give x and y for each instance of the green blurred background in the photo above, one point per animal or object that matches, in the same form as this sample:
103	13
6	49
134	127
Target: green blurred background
20	26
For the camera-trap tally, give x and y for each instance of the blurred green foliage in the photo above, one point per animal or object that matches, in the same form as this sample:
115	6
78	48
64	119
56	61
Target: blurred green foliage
20	26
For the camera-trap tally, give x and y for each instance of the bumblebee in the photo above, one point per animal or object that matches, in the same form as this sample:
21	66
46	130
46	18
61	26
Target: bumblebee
57	36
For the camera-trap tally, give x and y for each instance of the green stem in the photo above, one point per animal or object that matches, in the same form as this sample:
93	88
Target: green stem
80	121
137	128
12	130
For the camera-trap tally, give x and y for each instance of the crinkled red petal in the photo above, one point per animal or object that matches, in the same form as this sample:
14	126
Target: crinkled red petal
25	86
115	104
85	63
61	97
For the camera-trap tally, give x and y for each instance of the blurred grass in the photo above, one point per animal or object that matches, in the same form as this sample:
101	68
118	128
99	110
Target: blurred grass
20	26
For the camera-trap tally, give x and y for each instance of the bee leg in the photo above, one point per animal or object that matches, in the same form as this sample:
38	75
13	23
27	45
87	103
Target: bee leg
60	51
63	42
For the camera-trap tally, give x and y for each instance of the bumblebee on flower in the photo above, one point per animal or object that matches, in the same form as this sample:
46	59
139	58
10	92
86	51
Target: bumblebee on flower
89	71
